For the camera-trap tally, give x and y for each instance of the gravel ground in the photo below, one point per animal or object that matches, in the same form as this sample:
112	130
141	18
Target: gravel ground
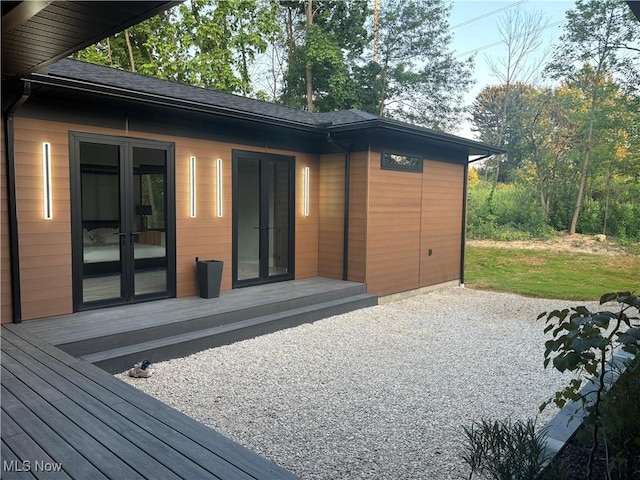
377	393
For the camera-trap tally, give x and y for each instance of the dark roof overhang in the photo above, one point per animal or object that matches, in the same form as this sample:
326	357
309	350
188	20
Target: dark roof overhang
388	126
37	33
137	96
634	5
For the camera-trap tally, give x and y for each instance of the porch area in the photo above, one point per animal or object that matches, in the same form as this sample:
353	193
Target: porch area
117	337
63	418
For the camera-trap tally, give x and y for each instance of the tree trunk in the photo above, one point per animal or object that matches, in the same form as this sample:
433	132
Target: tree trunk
130	50
606	203
585	164
109	52
376	28
308	65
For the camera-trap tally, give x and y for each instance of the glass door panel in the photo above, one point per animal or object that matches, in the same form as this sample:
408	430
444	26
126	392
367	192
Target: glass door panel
248	219
277	187
123	218
263	223
148	213
102	243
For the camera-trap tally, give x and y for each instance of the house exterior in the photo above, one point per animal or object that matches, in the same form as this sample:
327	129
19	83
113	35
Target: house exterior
118	182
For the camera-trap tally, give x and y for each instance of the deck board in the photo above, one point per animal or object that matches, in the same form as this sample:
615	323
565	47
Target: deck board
57	408
127	318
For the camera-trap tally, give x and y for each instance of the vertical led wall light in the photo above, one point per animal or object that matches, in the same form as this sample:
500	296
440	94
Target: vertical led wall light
306	191
46	181
219	186
192	187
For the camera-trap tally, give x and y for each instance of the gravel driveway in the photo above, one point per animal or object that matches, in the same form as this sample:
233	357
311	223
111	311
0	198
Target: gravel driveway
378	393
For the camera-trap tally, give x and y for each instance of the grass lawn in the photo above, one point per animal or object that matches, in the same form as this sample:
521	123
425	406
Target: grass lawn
551	274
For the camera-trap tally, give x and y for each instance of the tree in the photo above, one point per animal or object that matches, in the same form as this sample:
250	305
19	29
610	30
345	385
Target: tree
201	42
417	78
324	38
522	35
500	121
548	139
597	33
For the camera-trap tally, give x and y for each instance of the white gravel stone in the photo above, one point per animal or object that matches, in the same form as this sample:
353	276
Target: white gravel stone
379	393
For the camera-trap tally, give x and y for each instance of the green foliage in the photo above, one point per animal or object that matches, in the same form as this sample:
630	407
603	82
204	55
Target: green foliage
420	80
504	212
505	450
583	341
325	45
620	423
200	42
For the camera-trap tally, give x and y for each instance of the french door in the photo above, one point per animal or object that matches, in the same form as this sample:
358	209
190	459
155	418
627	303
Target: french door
263	218
123	220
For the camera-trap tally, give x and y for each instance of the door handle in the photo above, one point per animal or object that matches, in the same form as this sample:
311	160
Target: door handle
135	233
120	234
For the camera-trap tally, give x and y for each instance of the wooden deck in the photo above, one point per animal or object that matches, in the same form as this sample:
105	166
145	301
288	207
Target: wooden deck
65	418
115	338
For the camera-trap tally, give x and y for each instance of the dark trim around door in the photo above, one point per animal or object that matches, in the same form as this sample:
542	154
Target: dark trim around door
263	278
126	145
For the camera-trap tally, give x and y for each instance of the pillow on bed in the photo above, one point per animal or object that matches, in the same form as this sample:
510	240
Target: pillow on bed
87	237
105	235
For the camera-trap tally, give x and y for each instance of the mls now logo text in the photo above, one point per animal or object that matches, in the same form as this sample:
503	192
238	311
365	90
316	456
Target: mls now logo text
28	466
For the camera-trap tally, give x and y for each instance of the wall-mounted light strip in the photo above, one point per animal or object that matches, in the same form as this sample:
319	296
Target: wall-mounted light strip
219	187
306	191
192	187
46	181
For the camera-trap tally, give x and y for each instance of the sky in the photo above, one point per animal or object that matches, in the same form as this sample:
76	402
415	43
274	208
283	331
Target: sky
474	28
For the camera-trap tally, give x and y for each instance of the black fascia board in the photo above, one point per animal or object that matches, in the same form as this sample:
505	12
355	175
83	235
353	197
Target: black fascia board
391	126
161	100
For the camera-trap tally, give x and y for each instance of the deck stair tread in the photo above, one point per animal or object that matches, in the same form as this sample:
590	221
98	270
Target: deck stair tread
171	313
118	359
115	338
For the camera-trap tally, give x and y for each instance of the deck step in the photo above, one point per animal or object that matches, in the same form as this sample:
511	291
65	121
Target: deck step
218	315
185	343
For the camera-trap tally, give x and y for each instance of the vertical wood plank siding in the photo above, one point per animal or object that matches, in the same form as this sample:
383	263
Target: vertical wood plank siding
331	220
45	245
5	248
442	190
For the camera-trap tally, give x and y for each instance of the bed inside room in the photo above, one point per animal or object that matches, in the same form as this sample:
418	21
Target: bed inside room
116	240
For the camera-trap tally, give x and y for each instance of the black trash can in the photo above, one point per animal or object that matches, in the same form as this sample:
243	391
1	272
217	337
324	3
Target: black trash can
209	278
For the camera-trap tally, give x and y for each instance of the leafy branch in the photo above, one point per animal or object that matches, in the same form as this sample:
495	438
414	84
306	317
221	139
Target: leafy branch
584	341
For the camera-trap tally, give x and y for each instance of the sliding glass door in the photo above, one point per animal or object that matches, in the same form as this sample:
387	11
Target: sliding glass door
123	220
263	218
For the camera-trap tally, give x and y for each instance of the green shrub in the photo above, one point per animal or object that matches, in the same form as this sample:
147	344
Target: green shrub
505	450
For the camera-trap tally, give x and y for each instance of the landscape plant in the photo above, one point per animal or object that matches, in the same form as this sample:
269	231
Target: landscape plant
585	342
505	450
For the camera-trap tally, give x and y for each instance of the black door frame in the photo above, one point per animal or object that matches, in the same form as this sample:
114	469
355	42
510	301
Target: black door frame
126	177
264	217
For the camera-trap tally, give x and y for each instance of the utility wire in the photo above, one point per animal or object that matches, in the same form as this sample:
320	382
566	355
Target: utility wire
488	14
484	47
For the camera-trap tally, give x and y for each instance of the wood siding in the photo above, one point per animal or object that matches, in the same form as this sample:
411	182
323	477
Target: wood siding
46	273
441	226
358	199
306	228
5	247
331	219
410	214
393	248
44	245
